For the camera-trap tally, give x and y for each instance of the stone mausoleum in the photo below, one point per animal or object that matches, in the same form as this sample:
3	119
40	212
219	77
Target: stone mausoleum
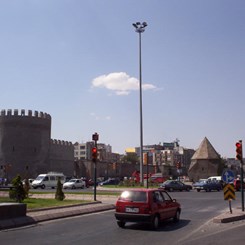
26	147
205	162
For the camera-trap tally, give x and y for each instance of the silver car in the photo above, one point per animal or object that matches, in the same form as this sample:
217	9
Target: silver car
74	183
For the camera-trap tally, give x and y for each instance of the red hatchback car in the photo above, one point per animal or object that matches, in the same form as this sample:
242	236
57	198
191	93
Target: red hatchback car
146	206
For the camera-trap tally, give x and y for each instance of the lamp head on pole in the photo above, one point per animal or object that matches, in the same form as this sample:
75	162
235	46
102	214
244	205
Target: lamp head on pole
140	27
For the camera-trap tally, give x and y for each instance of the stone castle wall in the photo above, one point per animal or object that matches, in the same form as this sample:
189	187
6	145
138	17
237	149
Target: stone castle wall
61	156
26	147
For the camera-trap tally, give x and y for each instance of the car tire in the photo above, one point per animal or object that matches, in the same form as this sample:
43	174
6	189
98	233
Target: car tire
171	189
177	216
198	190
43	186
73	187
155	222
121	224
188	189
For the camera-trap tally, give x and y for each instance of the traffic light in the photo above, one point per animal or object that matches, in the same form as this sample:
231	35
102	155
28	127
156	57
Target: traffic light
94	154
239	150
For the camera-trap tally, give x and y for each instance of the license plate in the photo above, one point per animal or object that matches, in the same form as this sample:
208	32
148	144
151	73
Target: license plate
132	210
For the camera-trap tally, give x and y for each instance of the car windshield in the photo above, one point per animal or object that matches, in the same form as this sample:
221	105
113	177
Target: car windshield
167	182
134	196
72	180
40	178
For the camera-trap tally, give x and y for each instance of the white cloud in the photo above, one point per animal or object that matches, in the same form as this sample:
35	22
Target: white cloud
119	82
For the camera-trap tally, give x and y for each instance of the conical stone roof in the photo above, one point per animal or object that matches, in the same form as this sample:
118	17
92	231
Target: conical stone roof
205	151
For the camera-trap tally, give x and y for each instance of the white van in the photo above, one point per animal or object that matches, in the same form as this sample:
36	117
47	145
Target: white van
214	178
48	180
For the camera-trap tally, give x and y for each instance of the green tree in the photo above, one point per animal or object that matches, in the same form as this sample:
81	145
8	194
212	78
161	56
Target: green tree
18	192
59	195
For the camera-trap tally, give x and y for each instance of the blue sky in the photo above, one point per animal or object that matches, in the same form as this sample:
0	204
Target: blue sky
78	61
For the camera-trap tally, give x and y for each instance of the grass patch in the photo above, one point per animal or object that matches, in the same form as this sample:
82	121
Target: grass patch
33	203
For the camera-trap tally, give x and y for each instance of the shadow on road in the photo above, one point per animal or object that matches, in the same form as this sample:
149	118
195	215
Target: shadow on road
164	226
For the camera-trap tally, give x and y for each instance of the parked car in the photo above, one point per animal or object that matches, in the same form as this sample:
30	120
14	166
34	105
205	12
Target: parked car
110	181
237	185
29	181
175	185
146	206
74	183
207	185
48	180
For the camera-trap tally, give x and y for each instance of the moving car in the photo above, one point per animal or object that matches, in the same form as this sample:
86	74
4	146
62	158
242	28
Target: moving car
146	206
175	185
74	183
207	185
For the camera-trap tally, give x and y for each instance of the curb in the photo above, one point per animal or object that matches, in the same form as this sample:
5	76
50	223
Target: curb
227	217
41	215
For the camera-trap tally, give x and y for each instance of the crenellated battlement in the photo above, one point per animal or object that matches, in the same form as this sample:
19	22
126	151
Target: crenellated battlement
24	113
60	142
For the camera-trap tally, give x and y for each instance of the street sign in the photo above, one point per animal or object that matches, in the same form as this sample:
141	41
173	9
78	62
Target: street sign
229	192
228	176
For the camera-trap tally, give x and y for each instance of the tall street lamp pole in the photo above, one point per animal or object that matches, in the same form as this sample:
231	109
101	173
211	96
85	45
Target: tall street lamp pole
139	28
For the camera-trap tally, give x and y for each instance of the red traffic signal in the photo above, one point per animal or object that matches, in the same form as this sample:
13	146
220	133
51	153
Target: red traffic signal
94	154
239	151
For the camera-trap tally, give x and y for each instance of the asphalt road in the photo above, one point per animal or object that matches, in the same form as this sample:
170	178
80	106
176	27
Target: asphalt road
195	227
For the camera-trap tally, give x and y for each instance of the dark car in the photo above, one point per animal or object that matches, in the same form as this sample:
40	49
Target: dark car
175	185
207	185
110	181
146	206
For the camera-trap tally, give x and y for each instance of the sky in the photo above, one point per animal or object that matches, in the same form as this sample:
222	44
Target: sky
78	60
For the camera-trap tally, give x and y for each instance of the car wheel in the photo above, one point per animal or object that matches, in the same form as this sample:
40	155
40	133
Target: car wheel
43	186
187	189
73	187
155	222
198	190
177	216
121	224
171	189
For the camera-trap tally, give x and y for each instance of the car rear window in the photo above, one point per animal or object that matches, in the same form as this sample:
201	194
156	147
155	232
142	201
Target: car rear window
134	196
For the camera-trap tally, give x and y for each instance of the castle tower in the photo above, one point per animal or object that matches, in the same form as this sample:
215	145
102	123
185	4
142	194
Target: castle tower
24	143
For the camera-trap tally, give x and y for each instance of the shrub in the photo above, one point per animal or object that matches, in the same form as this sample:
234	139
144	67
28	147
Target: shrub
59	195
18	192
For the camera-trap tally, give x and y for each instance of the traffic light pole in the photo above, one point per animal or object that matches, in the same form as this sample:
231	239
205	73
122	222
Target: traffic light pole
95	172
95	138
239	156
242	189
